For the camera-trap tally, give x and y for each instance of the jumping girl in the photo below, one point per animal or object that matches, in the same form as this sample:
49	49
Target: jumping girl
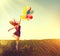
16	34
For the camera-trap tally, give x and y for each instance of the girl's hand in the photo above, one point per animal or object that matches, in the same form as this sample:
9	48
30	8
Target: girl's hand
8	30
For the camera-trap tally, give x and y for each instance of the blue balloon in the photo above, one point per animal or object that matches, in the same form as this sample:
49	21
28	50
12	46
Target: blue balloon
28	12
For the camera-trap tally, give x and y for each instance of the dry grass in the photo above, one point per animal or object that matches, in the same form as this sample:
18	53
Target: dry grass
30	48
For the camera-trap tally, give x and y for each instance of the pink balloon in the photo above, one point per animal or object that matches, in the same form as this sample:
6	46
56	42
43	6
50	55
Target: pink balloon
27	16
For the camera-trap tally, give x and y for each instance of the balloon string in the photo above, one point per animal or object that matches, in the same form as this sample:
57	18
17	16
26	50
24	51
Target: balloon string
20	21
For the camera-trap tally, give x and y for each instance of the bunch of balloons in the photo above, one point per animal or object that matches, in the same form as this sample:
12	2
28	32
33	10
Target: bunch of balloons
27	13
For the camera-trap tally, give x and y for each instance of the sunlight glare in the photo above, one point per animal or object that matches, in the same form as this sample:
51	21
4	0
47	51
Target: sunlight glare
2	2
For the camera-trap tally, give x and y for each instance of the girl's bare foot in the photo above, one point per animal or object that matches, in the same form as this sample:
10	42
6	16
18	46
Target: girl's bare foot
16	47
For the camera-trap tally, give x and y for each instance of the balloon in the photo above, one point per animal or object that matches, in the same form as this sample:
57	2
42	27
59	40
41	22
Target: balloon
25	8
24	12
28	12
30	8
27	16
32	12
31	17
22	17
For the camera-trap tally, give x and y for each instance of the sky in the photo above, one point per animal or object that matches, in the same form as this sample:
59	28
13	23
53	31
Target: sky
44	25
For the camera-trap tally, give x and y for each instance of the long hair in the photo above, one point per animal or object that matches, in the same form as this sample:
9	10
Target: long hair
14	23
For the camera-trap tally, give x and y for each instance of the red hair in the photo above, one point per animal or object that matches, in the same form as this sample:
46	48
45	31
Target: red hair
13	23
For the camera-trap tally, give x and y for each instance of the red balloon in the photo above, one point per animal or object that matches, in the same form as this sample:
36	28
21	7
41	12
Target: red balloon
30	17
27	16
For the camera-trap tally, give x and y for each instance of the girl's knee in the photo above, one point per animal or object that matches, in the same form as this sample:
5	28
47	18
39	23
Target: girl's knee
17	38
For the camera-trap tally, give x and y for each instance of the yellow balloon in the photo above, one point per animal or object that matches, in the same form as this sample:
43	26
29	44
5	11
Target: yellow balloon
24	12
23	17
25	8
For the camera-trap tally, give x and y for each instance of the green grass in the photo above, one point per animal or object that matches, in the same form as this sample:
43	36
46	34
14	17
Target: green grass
30	48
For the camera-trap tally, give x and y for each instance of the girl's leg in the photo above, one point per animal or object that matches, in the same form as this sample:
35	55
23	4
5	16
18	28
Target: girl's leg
17	41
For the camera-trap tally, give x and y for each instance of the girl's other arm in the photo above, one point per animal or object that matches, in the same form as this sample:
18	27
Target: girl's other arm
11	29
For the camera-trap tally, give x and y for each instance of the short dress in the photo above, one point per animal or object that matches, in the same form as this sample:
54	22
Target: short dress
17	32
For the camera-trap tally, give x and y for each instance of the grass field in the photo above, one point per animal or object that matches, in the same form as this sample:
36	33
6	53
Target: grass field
49	47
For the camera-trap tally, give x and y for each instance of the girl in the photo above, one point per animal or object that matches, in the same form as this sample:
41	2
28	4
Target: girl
16	34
